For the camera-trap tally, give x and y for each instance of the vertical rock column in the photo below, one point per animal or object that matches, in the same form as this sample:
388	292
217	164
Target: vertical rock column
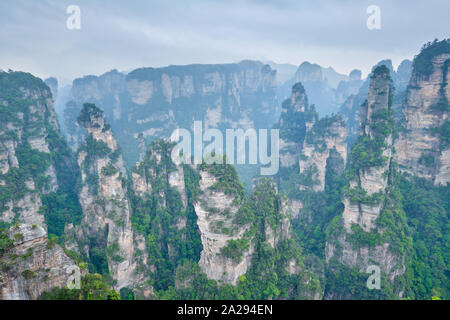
360	239
103	196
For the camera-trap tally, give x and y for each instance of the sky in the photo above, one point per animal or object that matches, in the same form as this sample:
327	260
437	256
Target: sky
125	35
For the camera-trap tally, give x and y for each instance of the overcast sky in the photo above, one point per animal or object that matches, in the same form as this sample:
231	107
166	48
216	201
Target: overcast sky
125	35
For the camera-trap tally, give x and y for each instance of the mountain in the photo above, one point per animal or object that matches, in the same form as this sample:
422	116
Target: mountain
423	144
372	229
169	226
326	88
306	143
154	102
356	211
350	108
37	173
285	71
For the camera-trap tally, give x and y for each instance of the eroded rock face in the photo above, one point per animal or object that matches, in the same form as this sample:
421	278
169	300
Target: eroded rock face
370	187
350	107
152	102
103	197
420	150
38	267
373	179
215	211
31	265
297	117
361	258
327	134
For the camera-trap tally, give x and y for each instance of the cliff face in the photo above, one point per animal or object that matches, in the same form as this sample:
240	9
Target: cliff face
106	222
33	265
29	174
372	210
216	211
297	116
153	102
327	134
163	215
422	147
372	180
306	144
350	106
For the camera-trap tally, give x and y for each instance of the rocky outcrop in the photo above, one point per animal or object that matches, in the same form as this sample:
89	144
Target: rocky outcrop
327	134
371	192
297	116
106	223
215	211
34	265
164	219
350	106
422	147
28	172
306	143
374	179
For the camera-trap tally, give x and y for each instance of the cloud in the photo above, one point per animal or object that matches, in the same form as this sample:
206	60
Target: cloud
125	35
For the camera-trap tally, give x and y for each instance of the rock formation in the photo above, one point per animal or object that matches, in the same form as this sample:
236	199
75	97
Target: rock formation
297	116
372	223
326	134
155	101
350	107
422	147
106	225
29	175
306	143
216	208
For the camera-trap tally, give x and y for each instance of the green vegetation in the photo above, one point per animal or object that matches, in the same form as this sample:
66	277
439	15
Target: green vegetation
442	105
95	149
427	160
98	259
427	208
235	249
160	216
109	170
293	126
227	179
348	283
360	238
422	64
413	220
62	207
93	287
126	294
88	112
5	242
28	274
366	153
321	210
444	134
59	207
322	129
